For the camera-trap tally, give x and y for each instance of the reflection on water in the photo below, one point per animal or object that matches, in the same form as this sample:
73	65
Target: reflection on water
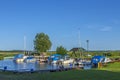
11	65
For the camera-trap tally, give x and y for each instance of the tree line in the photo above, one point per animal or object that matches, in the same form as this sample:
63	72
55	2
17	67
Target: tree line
42	43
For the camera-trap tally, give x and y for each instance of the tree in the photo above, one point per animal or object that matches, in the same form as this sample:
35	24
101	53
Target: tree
42	42
77	52
61	50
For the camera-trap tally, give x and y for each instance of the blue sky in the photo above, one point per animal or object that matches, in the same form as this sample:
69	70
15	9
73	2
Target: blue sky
97	21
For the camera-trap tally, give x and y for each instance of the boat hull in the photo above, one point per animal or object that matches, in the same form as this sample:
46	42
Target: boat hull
19	60
68	61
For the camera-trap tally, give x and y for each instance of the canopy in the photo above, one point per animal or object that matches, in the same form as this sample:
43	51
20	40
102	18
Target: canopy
55	57
97	59
19	56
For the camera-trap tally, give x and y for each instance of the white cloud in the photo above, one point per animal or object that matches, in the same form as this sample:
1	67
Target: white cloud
106	29
102	28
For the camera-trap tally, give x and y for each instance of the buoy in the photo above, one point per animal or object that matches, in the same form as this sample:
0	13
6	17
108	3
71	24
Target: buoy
32	70
5	68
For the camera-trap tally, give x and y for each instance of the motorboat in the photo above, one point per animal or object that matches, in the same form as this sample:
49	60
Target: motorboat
19	58
66	59
54	58
30	59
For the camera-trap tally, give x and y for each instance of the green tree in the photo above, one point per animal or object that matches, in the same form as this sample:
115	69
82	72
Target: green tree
42	42
77	52
61	50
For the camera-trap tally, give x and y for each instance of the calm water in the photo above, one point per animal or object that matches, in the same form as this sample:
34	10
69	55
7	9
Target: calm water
11	65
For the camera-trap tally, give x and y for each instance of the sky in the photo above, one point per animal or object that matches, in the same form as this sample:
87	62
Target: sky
67	22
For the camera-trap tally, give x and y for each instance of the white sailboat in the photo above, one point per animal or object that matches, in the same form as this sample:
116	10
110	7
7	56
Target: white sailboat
66	60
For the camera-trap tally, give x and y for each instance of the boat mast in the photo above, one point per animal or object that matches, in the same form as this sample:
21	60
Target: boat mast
24	44
79	43
79	38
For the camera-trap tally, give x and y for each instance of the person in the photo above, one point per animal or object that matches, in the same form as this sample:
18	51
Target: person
61	67
71	65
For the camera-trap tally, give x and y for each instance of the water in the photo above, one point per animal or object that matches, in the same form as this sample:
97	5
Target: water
11	65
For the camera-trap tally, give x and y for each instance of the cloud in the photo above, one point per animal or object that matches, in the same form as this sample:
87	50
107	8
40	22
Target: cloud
106	29
101	28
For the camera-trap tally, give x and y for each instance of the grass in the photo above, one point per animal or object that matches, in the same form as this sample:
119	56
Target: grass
115	67
111	72
6	55
67	75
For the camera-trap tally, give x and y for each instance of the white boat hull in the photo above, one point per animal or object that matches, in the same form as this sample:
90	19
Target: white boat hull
54	62
30	60
19	60
68	61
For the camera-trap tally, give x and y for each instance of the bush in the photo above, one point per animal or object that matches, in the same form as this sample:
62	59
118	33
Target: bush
1	57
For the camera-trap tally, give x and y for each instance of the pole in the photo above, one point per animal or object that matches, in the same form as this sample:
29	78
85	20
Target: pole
79	45
24	44
87	46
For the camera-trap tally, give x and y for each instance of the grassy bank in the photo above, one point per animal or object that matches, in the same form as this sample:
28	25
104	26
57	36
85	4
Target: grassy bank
8	53
111	72
114	67
67	75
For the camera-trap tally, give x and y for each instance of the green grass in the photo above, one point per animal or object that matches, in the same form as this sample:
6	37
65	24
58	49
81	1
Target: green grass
6	55
67	75
112	67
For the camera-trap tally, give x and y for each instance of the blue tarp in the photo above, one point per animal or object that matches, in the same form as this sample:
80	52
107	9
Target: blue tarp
19	56
97	59
30	57
55	57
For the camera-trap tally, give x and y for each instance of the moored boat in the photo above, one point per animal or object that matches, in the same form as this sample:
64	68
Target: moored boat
19	58
66	59
30	59
54	58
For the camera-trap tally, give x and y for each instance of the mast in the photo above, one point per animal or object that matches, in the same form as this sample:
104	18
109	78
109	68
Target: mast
24	44
87	46
79	43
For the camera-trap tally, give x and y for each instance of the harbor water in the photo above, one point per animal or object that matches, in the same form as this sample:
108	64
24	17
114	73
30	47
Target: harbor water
11	65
